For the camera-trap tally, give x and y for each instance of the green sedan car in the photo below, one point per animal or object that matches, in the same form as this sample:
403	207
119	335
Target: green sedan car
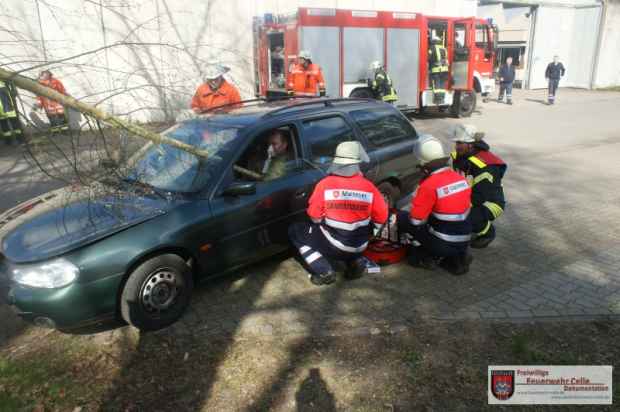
134	250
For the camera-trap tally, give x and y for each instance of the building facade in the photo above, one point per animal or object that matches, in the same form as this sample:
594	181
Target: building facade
144	59
585	34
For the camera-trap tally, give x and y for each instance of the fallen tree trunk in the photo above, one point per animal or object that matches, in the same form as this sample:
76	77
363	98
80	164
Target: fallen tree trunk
113	121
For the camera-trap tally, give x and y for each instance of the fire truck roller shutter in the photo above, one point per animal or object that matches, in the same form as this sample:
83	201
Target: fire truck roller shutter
322	43
361	46
403	56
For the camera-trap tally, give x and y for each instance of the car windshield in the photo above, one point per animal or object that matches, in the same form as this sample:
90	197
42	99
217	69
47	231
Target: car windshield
170	169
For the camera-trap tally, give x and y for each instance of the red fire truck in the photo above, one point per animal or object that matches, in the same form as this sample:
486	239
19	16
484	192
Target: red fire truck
345	42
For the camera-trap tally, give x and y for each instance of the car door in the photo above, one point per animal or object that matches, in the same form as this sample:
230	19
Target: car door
321	134
252	226
390	141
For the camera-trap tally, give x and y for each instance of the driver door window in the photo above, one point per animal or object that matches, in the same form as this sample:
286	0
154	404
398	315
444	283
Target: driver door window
273	155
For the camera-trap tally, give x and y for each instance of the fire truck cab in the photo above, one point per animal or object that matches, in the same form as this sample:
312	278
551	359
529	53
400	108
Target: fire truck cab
344	43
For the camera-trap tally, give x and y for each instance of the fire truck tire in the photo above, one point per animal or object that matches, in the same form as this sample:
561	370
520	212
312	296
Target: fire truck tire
362	93
390	192
464	103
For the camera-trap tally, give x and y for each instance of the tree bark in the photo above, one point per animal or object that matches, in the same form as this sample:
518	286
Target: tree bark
113	121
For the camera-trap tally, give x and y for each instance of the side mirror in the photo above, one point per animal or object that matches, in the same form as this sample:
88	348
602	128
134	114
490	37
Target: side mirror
240	189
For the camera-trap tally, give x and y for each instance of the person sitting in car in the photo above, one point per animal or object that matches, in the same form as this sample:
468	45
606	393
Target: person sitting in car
278	155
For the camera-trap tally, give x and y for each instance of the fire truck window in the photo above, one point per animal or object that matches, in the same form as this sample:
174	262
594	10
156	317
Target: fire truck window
459	36
323	135
383	127
481	37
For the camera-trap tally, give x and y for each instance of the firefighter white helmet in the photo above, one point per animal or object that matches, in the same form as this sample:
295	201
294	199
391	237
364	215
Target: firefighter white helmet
464	133
429	149
376	65
215	70
305	54
347	158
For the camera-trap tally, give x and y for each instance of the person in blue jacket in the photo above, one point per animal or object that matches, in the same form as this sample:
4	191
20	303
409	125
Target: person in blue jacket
555	71
506	77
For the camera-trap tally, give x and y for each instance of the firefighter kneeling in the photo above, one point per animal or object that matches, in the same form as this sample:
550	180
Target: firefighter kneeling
484	172
343	207
439	218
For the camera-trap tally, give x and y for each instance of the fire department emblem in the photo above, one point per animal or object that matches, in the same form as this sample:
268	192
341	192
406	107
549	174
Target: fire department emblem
502	384
446	190
336	194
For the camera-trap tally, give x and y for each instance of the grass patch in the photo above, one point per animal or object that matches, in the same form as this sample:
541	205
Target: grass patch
57	375
610	89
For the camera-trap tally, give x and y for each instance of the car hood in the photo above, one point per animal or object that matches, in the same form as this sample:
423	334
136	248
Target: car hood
66	219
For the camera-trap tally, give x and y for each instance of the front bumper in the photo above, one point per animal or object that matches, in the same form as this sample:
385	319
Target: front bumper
68	308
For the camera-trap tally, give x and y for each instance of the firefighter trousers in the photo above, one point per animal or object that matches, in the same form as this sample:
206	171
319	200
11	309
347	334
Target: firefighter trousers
315	249
481	220
430	245
56	119
439	80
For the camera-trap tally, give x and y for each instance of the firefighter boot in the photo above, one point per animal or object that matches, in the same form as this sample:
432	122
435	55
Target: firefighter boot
359	267
482	241
323	278
457	265
420	259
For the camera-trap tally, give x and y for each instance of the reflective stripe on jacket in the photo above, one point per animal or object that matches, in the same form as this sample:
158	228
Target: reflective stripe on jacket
205	98
438	58
443	201
306	81
346	207
484	171
51	106
382	87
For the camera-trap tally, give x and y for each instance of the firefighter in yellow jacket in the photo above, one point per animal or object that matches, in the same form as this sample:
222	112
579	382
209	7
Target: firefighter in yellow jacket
381	85
10	126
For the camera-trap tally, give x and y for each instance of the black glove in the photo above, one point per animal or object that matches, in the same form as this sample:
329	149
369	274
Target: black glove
322	92
291	93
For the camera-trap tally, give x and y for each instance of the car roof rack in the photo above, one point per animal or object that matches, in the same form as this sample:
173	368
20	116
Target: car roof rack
326	103
261	99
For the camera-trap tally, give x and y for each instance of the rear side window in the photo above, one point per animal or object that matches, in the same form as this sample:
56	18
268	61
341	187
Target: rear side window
383	127
323	135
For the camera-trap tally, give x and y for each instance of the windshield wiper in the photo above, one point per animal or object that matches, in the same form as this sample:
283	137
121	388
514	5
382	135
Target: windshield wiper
145	185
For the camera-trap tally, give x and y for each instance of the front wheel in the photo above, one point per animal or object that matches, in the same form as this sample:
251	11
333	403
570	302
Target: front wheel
464	103
157	293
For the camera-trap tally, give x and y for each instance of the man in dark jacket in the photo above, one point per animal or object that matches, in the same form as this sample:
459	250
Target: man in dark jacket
484	172
555	71
506	77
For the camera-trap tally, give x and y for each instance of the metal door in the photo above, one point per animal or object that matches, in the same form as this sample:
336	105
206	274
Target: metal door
361	46
323	42
403	64
462	62
570	33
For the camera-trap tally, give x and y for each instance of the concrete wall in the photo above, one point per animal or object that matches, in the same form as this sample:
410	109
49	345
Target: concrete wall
166	44
608	70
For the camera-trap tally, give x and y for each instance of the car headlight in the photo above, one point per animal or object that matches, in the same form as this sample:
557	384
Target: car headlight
52	274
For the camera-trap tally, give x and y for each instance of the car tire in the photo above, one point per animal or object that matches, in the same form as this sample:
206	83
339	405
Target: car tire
390	192
157	292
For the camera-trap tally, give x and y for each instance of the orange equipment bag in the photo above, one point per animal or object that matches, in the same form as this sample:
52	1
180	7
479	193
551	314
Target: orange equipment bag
386	249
